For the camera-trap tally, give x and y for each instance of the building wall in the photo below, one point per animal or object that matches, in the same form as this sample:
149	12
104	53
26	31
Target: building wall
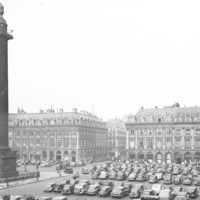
73	138
174	140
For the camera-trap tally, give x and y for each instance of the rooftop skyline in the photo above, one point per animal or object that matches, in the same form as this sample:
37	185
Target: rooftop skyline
110	57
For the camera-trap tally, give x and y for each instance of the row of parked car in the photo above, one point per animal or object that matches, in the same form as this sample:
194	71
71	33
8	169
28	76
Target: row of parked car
122	189
153	173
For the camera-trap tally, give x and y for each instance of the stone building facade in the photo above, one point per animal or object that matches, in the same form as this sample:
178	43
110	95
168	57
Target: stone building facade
169	134
67	136
117	138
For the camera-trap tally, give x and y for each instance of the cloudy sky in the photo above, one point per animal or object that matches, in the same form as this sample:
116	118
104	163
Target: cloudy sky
115	56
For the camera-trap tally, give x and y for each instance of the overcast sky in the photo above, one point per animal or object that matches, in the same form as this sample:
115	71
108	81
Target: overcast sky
114	55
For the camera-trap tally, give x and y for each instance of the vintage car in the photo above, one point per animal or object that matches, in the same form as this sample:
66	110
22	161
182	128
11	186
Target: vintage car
182	196
176	190
68	189
95	174
81	188
187	181
132	177
178	180
197	181
165	194
121	176
149	195
168	179
120	192
104	175
93	189
105	191
49	187
85	170
157	188
153	179
112	175
192	191
136	191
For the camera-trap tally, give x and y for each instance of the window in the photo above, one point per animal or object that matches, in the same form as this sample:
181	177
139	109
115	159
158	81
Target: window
59	143
159	143
141	144
45	142
51	143
66	142
132	132
168	143
187	142
150	143
178	142
37	141
197	142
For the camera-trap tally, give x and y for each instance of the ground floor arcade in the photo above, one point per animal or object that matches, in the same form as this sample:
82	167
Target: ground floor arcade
164	156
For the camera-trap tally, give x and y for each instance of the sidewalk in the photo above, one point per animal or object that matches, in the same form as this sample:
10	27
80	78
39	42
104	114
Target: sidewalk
43	176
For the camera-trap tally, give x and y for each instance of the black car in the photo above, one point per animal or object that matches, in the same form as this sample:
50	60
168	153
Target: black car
95	175
68	170
85	171
168	179
105	191
192	191
58	188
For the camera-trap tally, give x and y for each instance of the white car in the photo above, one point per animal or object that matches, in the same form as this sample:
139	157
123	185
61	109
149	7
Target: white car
157	188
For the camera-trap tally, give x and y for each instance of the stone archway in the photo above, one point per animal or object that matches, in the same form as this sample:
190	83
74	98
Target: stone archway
131	155
73	156
44	156
150	156
178	157
66	156
187	156
31	155
168	158
37	156
51	155
140	156
197	156
58	156
159	157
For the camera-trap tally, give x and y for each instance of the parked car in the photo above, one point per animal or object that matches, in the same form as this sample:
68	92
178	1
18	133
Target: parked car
45	198
121	176
68	170
197	181
178	180
85	171
105	191
149	195
58	188
187	181
168	179
68	189
192	191
93	189
166	194
49	187
136	191
95	174
153	179
182	196
157	188
112	175
119	192
176	190
132	177
104	175
81	188
27	197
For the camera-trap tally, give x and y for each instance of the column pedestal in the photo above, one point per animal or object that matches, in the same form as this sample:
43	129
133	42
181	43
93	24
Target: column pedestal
8	164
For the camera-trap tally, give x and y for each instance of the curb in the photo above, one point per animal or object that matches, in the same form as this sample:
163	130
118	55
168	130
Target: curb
32	182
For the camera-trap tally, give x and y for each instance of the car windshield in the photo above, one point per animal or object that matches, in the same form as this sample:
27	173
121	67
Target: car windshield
119	189
104	188
190	189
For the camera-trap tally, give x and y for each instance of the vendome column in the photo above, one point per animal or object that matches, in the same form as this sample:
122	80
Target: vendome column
7	157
